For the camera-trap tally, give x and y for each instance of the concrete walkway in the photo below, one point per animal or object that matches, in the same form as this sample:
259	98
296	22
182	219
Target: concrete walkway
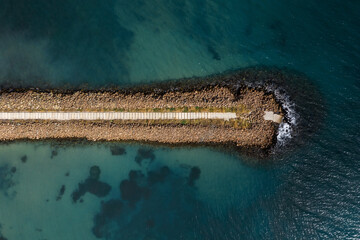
114	115
271	116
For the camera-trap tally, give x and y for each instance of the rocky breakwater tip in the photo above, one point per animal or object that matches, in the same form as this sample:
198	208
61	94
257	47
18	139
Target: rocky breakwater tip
209	112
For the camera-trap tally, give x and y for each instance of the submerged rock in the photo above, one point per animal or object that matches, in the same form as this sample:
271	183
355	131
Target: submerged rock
109	210
92	185
1	236
144	154
215	55
135	175
130	191
134	188
6	178
23	159
61	193
171	201
95	172
54	153
116	150
99	189
194	175
150	223
158	176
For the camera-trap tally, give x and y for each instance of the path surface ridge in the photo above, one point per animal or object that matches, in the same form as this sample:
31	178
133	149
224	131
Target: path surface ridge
115	115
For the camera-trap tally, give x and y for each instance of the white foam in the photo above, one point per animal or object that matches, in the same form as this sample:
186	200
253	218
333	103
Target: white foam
286	128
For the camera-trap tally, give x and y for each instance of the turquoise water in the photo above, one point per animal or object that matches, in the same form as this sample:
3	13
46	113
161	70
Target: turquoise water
308	191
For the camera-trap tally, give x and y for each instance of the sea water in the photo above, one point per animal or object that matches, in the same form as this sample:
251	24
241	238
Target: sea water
307	191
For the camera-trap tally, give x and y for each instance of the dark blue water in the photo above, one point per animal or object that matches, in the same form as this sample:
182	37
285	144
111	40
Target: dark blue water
310	190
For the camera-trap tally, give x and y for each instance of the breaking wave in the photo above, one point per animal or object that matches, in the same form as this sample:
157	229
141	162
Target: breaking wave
286	128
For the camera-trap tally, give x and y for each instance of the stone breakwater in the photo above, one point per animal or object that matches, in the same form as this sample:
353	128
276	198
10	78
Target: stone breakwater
250	128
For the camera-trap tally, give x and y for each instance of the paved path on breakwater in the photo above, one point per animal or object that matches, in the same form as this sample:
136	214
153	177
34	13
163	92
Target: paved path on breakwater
271	116
114	115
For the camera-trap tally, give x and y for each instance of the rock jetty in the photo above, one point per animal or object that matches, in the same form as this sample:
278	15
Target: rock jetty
251	116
